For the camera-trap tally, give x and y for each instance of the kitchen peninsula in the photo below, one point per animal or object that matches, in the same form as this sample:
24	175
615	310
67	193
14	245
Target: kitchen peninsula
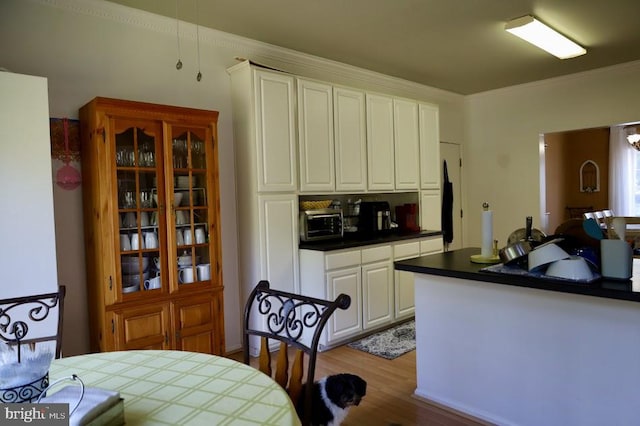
525	351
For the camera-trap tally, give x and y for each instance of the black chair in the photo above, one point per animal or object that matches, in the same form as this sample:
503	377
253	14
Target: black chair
296	321
23	318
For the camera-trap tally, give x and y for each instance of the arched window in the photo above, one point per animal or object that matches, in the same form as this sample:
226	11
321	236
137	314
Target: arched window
589	177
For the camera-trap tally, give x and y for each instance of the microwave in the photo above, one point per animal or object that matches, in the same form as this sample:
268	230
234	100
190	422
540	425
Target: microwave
321	224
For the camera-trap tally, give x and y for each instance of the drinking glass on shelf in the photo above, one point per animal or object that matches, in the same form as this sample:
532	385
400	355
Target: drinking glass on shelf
125	155
179	153
128	200
145	199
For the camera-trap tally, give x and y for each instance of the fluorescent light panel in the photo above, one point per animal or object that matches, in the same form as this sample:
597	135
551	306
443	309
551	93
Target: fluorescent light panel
535	32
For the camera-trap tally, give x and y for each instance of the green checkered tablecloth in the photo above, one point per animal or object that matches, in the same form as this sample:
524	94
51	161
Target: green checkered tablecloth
182	388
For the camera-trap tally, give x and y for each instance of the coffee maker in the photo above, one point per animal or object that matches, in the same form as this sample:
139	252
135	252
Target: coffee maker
374	218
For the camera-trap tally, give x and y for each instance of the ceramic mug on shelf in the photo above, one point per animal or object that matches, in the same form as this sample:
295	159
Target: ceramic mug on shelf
154	218
144	219
152	283
204	271
125	243
181	217
200	236
179	239
187	236
150	240
185	275
136	242
129	220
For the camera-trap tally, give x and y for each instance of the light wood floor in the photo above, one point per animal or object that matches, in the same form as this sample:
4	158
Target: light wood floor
390	386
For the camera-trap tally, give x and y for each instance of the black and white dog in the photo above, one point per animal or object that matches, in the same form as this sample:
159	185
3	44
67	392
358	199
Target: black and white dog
332	398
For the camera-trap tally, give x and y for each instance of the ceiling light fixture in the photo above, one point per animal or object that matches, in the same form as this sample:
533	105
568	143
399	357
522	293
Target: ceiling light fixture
633	136
535	32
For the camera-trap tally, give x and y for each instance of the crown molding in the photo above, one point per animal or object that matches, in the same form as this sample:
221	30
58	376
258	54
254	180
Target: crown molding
264	53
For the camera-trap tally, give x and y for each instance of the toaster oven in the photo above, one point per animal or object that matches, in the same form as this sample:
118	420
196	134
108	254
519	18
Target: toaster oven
322	224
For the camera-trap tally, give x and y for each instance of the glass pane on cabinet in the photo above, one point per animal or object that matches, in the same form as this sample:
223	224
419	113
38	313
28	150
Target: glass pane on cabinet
198	157
126	189
135	269
146	150
140	232
203	267
125	153
180	151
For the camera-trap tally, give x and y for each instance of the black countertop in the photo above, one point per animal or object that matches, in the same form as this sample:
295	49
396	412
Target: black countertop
457	264
359	241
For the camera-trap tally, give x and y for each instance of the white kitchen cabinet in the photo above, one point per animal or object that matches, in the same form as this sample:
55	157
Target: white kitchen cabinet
350	139
406	143
265	146
404	290
430	209
377	286
315	136
275	139
278	216
380	146
403	280
327	274
431	246
429	147
345	323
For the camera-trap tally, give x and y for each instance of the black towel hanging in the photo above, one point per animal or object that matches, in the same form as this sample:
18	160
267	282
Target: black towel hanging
447	207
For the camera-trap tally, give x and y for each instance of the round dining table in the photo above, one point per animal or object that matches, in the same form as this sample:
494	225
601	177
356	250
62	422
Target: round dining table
182	388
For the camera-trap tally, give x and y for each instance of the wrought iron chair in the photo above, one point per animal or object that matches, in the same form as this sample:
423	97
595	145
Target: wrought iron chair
20	317
297	322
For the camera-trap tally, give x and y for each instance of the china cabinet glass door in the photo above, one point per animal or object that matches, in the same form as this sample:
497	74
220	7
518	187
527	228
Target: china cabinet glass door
138	164
190	218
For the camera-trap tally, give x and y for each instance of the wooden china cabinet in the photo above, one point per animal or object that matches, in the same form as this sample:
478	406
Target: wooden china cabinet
152	228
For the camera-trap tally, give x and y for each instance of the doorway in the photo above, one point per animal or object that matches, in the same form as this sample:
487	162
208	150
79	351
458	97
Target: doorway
451	153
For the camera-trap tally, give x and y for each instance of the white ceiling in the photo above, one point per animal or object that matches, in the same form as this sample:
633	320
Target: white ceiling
455	45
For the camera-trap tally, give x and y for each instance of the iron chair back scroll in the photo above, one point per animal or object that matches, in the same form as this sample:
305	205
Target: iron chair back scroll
297	322
20	315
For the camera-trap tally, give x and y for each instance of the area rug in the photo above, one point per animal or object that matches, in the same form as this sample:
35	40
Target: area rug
389	343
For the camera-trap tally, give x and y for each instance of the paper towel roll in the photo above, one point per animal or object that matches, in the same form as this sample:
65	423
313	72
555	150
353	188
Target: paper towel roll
487	234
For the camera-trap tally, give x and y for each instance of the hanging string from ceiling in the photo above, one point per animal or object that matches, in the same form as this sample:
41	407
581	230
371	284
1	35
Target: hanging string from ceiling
199	76
179	63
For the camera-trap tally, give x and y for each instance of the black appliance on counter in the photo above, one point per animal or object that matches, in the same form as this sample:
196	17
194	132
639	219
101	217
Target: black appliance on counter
374	218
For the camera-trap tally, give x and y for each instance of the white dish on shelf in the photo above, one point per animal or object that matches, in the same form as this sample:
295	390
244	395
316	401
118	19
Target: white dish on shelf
130	289
182	181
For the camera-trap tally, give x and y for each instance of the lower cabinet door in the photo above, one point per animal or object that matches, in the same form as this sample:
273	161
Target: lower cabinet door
144	327
404	294
345	323
377	294
194	322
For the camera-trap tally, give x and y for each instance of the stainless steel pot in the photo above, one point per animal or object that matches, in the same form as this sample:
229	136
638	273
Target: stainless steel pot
515	252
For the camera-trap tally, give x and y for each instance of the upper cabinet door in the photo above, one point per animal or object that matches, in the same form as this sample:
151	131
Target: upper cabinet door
429	147
350	139
380	157
275	131
406	130
315	136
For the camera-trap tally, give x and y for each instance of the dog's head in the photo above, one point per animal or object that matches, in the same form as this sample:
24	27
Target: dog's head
345	389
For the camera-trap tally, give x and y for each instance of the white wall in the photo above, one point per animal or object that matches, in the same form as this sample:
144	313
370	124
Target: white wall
27	251
502	129
89	48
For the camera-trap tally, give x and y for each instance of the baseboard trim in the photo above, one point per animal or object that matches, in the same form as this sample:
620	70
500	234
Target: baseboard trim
444	407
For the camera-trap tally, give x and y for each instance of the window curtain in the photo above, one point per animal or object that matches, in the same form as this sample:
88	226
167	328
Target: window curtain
621	173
